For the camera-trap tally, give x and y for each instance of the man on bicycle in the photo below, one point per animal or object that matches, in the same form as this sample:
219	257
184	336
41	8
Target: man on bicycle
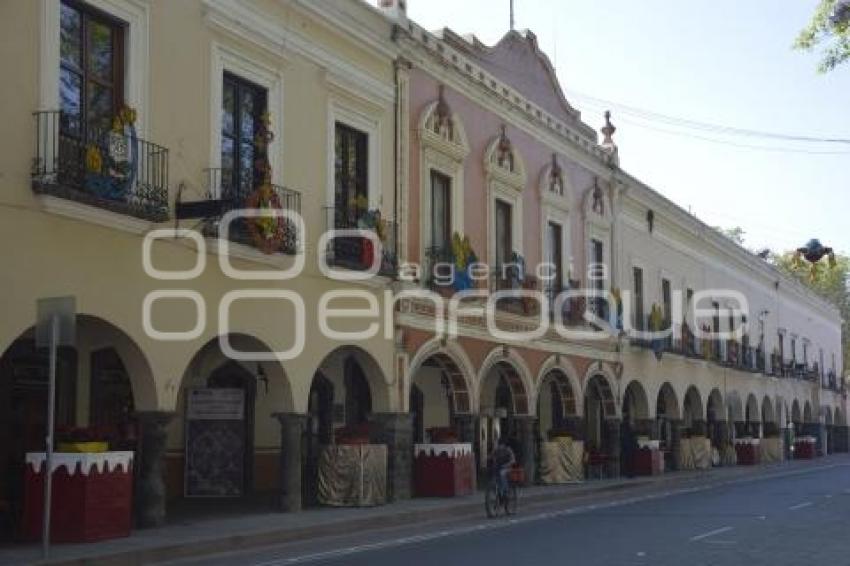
502	459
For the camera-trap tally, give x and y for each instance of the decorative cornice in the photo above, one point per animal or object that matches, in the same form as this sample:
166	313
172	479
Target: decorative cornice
247	23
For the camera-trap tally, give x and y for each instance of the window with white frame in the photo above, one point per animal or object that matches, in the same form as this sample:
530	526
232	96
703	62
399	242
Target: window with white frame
505	178
243	91
443	149
93	59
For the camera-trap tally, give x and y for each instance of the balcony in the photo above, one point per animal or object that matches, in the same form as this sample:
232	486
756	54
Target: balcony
113	170
357	252
273	235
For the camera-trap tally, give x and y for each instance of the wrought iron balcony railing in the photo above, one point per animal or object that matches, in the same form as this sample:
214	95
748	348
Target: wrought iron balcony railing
358	252
114	169
276	234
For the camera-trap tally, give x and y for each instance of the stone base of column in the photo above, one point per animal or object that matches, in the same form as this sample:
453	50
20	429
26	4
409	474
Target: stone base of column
675	442
396	431
293	426
150	483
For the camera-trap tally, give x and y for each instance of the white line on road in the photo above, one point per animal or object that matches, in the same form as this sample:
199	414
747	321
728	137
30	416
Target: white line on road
711	533
800	505
340	552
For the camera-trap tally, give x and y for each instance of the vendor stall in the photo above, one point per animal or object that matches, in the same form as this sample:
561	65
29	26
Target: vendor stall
561	460
648	459
91	500
695	453
353	475
805	448
747	450
771	450
443	470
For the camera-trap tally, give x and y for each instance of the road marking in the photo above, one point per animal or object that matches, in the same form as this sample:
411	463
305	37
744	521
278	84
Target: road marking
711	533
580	509
800	505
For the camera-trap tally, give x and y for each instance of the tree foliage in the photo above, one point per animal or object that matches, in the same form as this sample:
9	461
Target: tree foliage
833	33
830	283
736	234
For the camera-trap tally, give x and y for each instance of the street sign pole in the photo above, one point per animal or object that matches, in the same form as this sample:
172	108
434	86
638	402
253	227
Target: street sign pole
48	456
55	326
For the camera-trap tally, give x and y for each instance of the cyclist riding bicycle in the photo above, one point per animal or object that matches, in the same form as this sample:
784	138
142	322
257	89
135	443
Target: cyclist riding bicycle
502	459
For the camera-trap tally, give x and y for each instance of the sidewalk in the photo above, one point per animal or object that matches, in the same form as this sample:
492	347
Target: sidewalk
196	537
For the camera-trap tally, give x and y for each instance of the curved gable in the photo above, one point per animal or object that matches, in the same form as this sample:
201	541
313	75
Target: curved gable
517	60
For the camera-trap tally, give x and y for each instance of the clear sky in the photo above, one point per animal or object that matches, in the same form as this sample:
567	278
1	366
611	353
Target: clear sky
726	62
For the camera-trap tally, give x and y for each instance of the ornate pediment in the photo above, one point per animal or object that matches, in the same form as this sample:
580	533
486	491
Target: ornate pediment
502	161
518	61
442	129
555	186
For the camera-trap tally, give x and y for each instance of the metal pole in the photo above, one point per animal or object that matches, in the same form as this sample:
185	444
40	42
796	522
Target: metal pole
48	456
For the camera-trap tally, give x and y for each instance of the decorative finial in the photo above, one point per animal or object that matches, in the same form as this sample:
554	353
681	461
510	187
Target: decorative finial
608	130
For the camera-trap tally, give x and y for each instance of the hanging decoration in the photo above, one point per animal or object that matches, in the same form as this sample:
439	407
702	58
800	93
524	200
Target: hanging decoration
268	229
813	252
112	158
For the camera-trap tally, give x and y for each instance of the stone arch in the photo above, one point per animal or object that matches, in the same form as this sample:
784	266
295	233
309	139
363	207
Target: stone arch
752	413
599	386
567	375
768	415
635	401
667	404
513	369
273	375
714	409
556	403
333	367
796	415
455	364
807	412
734	408
692	408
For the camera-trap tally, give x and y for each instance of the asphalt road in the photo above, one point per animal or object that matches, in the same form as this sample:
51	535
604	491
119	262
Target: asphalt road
795	517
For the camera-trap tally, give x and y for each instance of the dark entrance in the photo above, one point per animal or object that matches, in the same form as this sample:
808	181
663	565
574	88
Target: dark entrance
319	433
233	375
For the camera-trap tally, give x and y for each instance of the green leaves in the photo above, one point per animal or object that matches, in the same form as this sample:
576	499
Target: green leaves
822	30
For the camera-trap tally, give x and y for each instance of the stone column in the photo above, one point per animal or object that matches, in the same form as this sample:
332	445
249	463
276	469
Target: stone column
293	426
612	438
821	436
150	481
525	434
675	441
396	431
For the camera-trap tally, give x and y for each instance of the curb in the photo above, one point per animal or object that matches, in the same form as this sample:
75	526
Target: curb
223	544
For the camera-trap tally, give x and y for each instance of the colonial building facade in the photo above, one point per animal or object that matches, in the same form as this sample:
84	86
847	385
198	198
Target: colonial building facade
136	128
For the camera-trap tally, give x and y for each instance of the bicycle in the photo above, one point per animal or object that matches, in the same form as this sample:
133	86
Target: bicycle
495	501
